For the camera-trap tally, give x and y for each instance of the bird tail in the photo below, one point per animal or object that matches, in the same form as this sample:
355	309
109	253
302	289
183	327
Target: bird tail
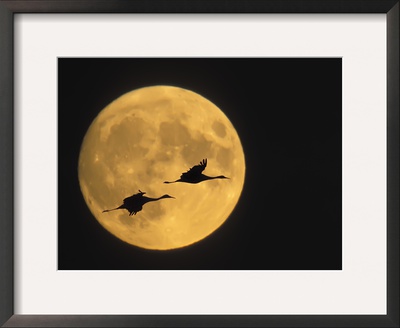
113	209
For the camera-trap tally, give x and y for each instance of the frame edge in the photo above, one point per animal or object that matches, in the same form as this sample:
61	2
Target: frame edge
393	147
6	165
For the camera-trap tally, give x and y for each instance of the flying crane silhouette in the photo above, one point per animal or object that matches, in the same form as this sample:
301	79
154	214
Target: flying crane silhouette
194	175
134	203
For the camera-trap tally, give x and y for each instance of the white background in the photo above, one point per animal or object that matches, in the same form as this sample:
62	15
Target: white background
360	288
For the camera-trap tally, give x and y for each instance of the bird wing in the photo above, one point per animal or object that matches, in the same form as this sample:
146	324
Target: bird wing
195	170
134	196
129	199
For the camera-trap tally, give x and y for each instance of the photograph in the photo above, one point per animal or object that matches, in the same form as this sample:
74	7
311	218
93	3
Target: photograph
203	163
199	163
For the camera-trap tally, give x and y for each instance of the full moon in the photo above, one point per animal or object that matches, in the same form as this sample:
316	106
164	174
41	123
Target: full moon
151	135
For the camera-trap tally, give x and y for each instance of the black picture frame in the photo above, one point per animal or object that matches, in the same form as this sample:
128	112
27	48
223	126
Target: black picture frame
7	11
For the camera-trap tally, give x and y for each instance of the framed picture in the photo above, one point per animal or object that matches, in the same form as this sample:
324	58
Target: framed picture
199	163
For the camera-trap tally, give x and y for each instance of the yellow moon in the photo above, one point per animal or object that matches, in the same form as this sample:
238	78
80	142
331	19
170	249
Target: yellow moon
151	135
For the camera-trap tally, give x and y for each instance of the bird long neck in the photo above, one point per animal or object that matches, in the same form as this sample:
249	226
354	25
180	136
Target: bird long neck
149	199
206	177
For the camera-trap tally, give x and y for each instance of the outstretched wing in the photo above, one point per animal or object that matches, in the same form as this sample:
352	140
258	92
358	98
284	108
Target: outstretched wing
129	199
195	170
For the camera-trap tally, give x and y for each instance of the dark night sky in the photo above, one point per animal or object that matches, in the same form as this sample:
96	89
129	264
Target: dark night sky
288	114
